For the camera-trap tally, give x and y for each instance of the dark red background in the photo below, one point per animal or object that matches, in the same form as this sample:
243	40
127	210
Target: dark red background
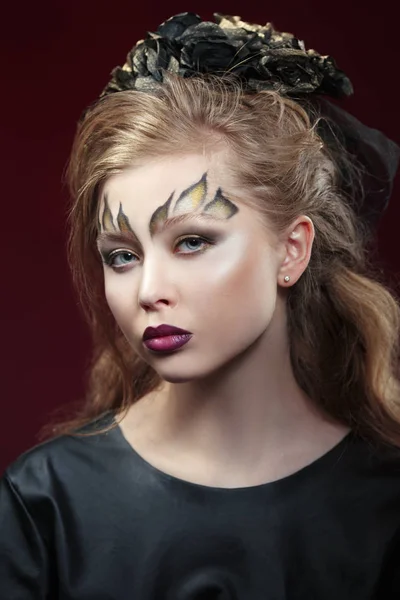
57	57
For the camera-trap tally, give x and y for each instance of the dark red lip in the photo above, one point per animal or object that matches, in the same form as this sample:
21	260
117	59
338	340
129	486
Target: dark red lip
161	331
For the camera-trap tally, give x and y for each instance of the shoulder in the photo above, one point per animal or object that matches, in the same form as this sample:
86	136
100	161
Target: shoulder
32	469
55	463
60	480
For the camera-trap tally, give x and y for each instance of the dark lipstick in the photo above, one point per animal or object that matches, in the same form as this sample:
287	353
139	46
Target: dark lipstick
165	338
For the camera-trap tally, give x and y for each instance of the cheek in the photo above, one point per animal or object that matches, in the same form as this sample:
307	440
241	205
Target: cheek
238	282
119	301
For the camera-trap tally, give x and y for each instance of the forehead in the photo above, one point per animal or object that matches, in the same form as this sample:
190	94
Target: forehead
143	189
159	193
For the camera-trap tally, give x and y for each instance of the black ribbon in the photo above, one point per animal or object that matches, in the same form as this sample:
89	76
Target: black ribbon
376	154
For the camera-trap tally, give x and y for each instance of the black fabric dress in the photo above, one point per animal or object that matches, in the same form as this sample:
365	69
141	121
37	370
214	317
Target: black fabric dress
90	519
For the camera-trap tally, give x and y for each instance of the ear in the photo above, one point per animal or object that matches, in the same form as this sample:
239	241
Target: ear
296	246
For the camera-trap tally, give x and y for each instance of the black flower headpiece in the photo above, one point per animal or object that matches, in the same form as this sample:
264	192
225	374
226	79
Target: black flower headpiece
262	57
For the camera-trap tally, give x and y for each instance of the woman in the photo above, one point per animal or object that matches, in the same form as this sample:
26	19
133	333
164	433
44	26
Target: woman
241	431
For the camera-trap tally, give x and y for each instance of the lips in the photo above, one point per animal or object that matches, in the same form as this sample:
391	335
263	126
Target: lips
162	331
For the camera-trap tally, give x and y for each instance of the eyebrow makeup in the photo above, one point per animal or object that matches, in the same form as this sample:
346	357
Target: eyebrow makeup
187	207
191	200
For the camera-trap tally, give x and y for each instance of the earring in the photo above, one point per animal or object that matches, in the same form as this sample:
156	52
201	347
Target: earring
287	278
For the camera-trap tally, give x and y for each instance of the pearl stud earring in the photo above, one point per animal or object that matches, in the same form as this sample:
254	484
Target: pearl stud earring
287	278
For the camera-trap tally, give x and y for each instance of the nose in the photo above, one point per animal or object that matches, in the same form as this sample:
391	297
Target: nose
156	288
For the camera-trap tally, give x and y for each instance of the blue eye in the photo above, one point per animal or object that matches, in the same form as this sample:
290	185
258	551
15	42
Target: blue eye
125	256
200	244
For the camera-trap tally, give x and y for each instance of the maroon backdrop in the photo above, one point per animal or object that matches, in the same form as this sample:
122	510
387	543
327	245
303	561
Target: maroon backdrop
57	57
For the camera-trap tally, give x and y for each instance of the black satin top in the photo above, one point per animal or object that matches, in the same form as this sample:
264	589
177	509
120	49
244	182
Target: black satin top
89	519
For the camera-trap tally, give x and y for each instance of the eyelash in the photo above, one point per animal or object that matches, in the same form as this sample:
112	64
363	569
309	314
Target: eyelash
110	257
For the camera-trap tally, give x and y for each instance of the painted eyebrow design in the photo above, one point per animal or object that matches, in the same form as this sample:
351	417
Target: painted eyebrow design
129	236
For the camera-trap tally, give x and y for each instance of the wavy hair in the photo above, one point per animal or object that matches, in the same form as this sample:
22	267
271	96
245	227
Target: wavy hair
343	320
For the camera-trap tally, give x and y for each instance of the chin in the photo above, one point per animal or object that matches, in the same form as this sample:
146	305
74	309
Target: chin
185	374
176	379
178	376
181	373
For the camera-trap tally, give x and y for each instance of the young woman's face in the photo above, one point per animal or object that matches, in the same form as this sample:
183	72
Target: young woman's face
214	275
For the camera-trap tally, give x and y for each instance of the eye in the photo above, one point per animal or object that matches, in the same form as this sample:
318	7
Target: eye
118	259
195	244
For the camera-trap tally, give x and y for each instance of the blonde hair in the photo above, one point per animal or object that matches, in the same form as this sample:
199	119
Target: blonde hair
343	321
